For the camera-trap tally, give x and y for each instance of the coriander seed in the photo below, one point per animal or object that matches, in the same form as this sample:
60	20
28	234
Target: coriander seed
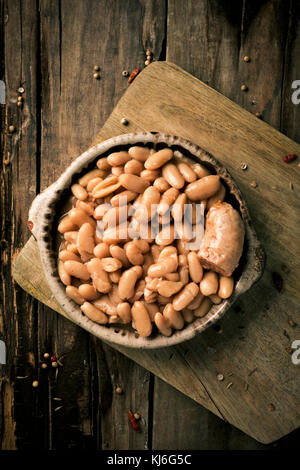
119	390
96	75
46	356
244	88
11	129
246	58
96	68
35	384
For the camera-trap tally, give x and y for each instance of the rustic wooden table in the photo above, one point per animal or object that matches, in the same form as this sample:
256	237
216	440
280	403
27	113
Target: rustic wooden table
50	50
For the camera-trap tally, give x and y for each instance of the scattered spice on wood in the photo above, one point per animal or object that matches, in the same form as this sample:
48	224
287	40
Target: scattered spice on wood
277	281
148	52
19	104
253	184
288	349
46	355
53	358
54	364
58	408
220	377
147	62
21	89
229	385
258	115
246	58
134	423
44	365
119	390
244	166
11	129
137	416
20	98
35	384
244	88
57	399
124	121
133	75
96	68
96	76
271	407
252	371
292	323
125	73
289	158
21	377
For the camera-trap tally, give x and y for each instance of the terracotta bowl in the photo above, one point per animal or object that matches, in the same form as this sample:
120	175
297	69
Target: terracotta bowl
44	214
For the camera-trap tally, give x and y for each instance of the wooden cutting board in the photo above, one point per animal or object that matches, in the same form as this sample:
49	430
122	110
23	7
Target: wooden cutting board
252	346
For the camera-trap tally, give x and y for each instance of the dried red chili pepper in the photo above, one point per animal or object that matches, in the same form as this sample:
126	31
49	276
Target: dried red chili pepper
134	423
133	75
53	358
278	282
289	158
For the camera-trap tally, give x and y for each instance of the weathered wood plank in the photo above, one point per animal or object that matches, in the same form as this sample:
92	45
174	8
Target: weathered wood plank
209	135
19	35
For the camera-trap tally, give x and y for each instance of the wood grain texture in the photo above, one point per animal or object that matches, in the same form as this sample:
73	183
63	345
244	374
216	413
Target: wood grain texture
256	331
19	34
290	112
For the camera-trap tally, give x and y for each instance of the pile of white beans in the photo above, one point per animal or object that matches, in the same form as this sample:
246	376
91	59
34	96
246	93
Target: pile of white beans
139	281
